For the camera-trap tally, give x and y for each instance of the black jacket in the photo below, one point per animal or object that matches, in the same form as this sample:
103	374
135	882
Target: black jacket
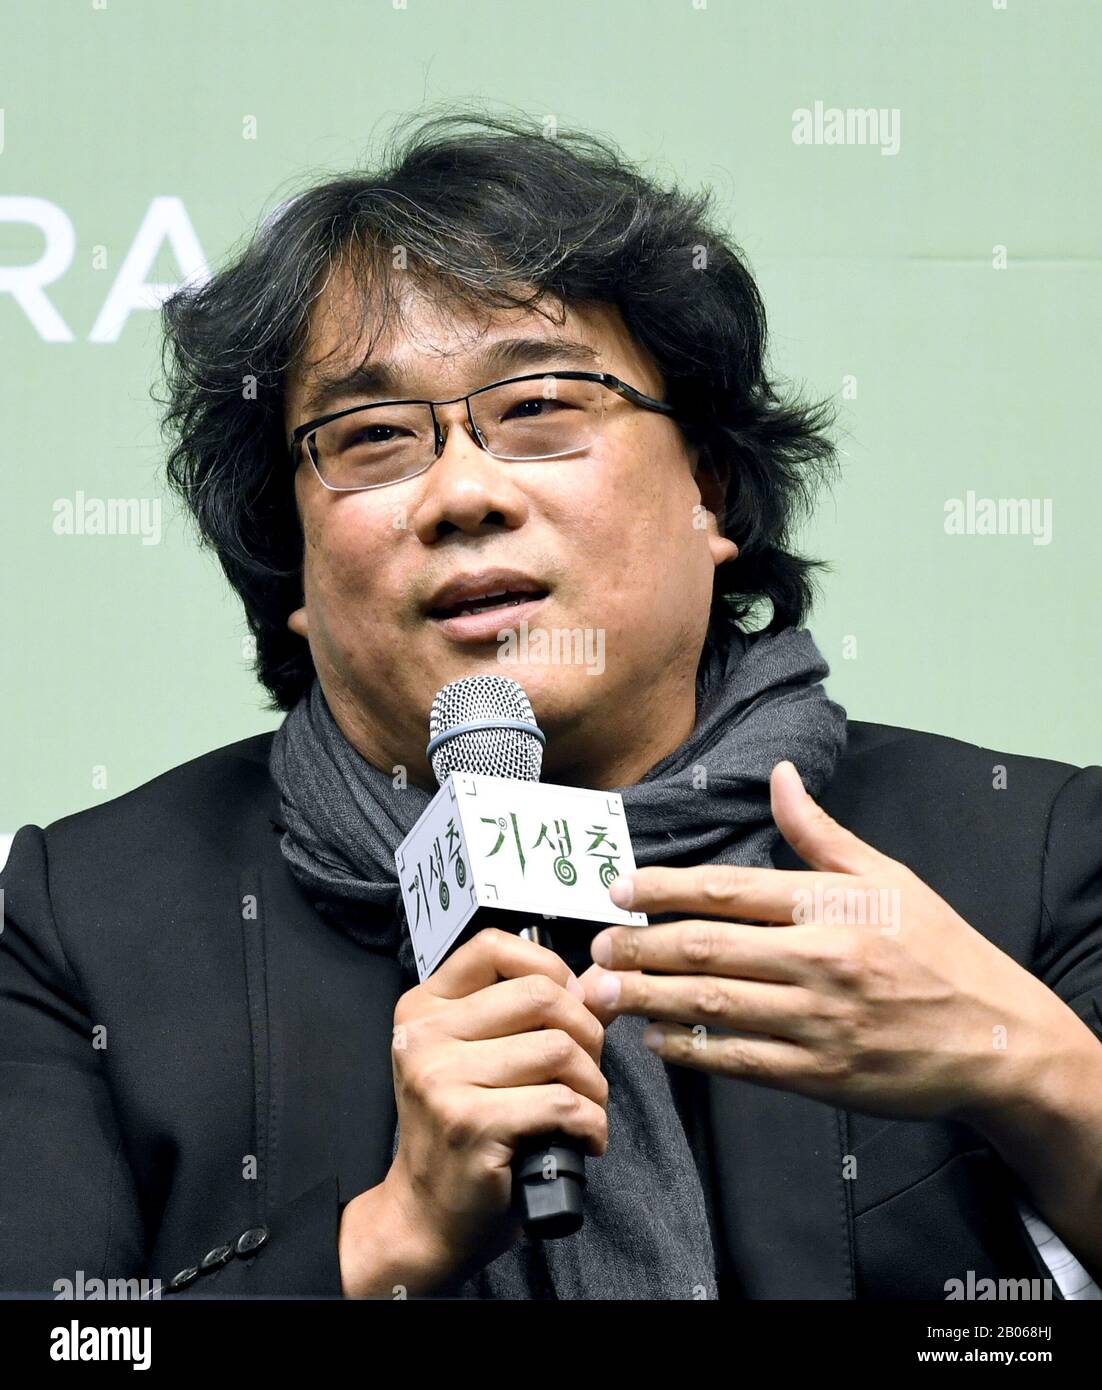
190	1055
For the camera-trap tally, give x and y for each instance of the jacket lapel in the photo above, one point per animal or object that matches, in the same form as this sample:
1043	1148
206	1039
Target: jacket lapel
321	1011
782	1200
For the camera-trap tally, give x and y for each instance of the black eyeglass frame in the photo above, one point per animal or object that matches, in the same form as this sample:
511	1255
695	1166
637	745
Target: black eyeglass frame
614	383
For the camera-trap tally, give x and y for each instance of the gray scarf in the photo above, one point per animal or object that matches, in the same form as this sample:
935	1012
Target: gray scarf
647	1232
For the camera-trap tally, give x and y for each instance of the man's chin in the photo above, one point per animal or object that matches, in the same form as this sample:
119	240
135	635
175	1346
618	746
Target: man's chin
559	692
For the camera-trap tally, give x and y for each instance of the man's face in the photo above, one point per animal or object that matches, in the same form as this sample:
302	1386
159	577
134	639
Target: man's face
614	542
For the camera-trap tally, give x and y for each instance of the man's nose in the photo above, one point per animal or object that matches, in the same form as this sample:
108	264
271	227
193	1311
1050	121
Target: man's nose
466	489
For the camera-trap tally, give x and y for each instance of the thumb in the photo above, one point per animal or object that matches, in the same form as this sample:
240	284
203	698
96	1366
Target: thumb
815	836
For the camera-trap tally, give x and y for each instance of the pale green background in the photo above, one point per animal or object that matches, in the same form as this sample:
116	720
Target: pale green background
128	657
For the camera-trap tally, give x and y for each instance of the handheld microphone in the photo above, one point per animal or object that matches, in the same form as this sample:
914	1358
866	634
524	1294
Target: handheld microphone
485	725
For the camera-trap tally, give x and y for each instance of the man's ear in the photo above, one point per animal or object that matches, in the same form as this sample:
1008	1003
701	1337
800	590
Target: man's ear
712	479
297	622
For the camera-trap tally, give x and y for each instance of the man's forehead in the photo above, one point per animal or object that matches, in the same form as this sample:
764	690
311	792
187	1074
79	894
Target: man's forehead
433	344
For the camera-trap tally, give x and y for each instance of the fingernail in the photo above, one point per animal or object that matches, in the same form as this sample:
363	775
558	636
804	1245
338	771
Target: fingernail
792	773
575	986
608	989
601	949
652	1036
622	891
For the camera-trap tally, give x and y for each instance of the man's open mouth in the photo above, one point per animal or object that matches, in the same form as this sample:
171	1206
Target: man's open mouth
484	603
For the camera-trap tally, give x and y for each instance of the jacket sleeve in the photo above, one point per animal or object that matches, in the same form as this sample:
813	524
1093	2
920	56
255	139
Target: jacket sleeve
69	1203
1069	945
293	1253
1069	960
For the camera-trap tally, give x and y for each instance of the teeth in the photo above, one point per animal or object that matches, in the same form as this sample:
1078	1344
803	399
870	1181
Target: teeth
482	603
481	608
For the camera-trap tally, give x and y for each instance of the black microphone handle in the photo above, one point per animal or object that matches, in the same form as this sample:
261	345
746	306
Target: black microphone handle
549	1170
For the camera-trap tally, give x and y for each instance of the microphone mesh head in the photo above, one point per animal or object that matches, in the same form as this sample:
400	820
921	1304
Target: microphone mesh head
493	752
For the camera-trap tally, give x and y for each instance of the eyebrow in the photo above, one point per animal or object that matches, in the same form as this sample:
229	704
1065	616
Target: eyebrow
499	359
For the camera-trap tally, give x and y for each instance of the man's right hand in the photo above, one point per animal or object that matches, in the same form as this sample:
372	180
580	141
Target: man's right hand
494	1047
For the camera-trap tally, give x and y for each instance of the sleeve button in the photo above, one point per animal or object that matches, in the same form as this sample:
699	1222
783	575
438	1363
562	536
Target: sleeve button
250	1241
217	1257
183	1279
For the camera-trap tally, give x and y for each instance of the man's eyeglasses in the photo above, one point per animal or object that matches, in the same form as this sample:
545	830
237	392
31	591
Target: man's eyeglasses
543	415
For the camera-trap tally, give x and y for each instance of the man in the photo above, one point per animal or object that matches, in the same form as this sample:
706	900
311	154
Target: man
877	970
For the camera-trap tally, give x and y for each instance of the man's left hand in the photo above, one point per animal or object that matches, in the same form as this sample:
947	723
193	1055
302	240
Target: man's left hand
851	982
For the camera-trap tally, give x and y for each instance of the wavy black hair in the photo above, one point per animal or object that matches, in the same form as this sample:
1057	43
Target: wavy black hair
490	211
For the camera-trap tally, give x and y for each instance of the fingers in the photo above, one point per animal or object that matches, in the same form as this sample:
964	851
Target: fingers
519	1006
705	948
490	956
766	1061
774	1010
524	1111
728	890
532	1059
601	1005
